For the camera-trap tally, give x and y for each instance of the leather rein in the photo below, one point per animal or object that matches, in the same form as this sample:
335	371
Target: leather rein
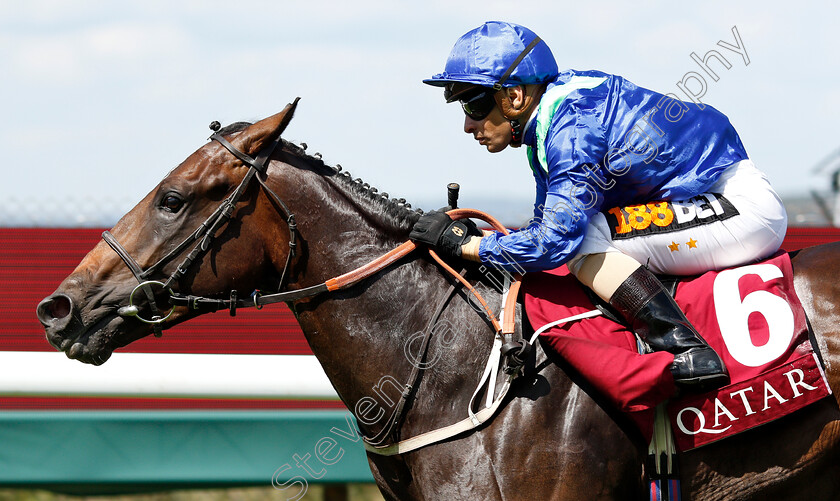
207	232
204	235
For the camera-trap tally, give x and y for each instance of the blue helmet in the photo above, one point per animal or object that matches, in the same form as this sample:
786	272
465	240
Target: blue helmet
498	54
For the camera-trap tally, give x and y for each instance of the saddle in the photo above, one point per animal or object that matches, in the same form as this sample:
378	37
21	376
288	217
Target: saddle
750	315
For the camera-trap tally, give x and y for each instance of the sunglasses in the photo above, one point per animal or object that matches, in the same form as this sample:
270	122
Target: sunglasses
479	105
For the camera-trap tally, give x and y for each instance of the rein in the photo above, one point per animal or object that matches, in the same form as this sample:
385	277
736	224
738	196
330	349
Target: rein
355	276
207	232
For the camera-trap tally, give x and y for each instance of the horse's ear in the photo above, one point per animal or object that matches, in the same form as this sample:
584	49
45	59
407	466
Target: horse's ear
258	135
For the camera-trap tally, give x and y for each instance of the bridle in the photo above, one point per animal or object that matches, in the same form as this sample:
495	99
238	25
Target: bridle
208	230
204	236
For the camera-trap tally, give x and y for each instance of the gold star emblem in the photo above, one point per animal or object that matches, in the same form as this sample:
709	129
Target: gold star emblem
692	244
674	246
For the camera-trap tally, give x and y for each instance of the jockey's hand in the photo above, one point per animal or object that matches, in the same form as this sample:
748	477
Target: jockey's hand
437	230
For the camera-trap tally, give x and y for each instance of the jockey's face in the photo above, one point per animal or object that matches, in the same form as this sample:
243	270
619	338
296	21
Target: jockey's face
493	131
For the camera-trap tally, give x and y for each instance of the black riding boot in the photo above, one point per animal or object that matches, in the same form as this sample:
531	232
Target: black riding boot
656	318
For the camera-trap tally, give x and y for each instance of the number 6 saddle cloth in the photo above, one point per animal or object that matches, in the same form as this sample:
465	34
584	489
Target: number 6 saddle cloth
750	315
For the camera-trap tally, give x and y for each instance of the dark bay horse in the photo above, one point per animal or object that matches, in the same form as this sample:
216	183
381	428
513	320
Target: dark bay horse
553	439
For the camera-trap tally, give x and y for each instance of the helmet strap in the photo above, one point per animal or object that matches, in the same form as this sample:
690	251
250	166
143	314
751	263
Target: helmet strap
501	81
503	101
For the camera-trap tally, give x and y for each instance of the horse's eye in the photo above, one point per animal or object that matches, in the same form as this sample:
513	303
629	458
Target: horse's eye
172	203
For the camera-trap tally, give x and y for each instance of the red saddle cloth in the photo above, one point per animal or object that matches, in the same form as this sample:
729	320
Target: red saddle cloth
750	315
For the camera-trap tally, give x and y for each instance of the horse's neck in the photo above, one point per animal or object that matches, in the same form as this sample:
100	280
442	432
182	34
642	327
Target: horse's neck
345	226
368	337
363	325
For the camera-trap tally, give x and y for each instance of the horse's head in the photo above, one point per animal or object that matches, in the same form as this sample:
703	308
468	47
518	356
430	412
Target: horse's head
101	305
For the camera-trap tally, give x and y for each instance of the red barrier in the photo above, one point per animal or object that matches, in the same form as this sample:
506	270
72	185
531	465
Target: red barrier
33	261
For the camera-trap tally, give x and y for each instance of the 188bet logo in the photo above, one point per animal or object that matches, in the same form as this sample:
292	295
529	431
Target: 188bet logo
667	216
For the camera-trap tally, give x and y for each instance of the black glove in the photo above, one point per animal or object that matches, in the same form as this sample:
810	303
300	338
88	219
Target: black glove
437	230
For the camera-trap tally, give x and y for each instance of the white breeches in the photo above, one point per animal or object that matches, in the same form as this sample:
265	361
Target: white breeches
697	235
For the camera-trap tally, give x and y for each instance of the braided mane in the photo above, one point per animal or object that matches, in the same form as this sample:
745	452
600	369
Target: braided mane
397	210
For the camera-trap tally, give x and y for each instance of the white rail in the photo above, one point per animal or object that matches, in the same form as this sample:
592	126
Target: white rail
165	375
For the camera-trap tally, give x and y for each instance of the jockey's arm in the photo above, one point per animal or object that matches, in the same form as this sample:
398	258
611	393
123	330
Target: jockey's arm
469	250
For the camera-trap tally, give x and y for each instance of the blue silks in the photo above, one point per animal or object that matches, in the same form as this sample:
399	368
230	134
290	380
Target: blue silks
599	141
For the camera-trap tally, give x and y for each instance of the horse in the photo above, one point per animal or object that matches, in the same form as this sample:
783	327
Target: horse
553	438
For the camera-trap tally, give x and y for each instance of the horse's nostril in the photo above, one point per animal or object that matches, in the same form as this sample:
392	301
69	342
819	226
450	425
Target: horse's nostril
54	308
60	307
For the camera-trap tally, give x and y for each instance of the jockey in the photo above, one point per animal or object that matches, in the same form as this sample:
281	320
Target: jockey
630	182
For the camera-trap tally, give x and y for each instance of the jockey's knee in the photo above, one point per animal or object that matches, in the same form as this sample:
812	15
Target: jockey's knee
603	272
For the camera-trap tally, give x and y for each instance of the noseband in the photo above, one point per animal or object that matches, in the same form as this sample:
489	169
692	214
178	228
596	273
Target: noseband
204	235
207	231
